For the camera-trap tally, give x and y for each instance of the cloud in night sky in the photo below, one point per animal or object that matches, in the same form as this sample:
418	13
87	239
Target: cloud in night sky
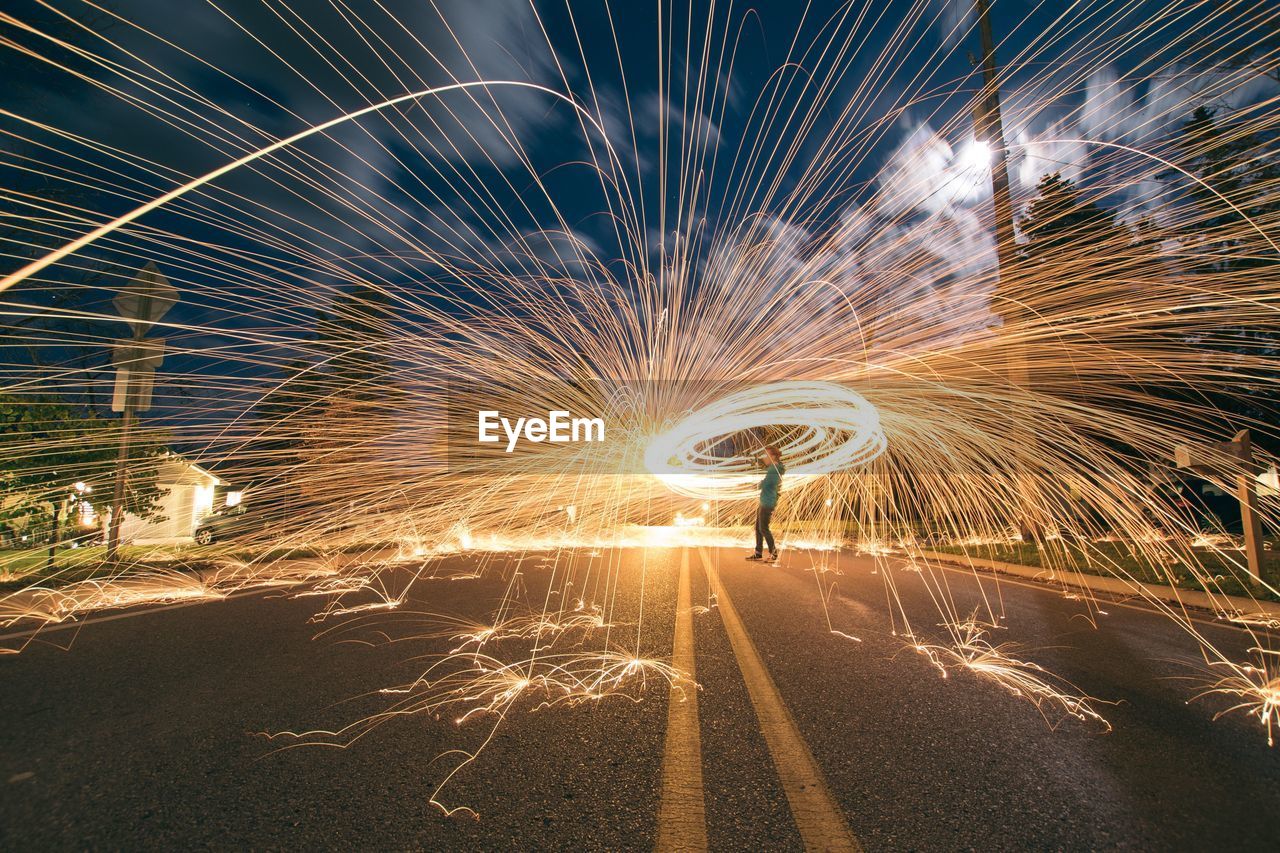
506	179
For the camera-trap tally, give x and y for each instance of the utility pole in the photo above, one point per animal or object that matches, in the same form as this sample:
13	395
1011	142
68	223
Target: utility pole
141	303
51	561
988	126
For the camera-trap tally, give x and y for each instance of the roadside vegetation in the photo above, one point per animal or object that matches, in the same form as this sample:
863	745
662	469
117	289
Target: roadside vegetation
1221	570
25	568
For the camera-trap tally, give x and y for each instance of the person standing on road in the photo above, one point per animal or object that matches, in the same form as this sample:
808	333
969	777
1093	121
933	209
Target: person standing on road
770	487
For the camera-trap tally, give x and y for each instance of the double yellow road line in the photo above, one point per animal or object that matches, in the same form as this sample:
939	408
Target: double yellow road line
682	814
682	819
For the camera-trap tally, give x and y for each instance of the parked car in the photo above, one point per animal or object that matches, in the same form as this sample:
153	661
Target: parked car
228	523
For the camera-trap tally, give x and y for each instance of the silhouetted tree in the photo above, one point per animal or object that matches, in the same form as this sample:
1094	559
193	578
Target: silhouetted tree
1077	258
1238	34
1221	231
47	445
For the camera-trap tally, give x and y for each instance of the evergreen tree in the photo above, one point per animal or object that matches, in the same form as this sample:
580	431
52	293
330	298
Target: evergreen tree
1233	164
268	460
1076	258
1238	35
352	334
1061	219
71	445
1224	250
355	397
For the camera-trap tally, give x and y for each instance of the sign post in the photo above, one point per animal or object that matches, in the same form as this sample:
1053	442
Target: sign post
141	303
1247	494
1240	448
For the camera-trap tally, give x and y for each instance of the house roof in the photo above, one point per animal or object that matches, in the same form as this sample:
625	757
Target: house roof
217	481
178	470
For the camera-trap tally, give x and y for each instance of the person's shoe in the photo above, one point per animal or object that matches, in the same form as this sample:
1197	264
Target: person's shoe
755	558
773	556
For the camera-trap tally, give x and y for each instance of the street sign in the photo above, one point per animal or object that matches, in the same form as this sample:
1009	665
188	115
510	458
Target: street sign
1200	460
133	389
1234	459
1219	458
146	299
141	303
131	354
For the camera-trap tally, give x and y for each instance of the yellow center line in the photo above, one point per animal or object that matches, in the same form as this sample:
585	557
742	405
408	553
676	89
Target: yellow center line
682	822
821	824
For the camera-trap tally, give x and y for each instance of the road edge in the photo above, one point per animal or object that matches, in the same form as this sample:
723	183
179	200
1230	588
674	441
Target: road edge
1101	583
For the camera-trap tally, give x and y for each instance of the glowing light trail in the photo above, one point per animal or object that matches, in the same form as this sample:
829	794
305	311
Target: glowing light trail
120	221
837	430
803	247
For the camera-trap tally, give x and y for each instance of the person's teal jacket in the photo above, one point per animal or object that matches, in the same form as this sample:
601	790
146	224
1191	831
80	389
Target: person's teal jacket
771	485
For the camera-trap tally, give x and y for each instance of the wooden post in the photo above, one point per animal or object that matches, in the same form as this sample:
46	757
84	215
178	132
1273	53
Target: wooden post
122	459
988	126
122	475
1247	494
51	563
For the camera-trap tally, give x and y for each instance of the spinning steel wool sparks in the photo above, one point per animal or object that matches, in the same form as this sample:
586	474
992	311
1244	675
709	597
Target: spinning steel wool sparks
710	256
838	430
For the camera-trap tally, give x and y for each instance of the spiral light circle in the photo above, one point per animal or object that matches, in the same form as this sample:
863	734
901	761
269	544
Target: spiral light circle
838	429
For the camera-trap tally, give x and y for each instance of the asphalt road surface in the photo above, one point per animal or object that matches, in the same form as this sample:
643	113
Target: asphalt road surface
147	732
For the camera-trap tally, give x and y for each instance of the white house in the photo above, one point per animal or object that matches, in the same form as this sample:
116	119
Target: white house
189	496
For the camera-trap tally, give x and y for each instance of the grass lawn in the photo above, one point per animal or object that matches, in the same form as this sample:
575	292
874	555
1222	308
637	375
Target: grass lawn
1119	559
22	568
19	569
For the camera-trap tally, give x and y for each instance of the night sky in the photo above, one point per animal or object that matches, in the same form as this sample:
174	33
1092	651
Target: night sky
157	92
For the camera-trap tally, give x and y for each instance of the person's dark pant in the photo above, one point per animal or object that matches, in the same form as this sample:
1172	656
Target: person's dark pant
763	533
